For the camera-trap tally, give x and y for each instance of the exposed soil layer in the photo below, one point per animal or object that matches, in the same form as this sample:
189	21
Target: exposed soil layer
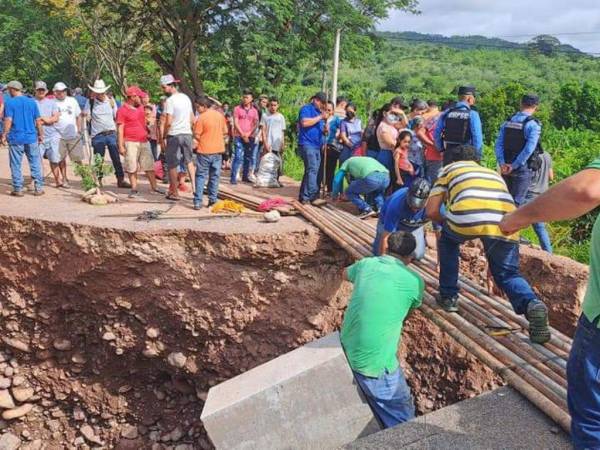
119	334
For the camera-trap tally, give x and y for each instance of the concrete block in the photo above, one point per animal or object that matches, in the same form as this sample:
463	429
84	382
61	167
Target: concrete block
500	419
305	399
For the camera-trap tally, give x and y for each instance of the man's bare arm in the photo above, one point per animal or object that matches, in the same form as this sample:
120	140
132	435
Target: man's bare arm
433	208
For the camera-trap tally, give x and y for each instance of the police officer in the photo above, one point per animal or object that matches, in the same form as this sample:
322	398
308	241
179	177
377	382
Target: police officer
460	125
518	148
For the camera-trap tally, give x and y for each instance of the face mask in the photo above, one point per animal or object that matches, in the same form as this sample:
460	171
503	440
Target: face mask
350	115
393	118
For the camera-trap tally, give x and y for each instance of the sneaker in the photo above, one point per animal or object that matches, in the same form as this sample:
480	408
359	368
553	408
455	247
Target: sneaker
134	194
158	191
121	183
319	202
366	214
539	330
448	304
38	192
17	193
197	206
251	178
211	203
66	185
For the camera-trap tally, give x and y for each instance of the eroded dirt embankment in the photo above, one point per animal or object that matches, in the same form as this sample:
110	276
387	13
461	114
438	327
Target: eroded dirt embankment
113	337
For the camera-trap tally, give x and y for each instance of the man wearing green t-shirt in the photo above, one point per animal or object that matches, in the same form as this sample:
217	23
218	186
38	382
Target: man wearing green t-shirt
367	177
385	291
569	199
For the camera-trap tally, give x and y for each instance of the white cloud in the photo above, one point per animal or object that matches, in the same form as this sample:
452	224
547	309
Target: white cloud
515	20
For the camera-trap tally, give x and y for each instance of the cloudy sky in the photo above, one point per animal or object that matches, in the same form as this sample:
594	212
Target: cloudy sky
519	19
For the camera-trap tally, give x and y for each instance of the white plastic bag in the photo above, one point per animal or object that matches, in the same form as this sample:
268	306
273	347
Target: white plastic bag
268	171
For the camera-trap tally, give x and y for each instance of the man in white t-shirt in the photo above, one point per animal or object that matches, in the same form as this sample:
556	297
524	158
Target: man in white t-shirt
272	125
176	133
69	127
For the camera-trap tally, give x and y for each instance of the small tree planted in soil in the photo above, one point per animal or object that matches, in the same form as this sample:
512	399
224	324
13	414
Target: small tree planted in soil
91	174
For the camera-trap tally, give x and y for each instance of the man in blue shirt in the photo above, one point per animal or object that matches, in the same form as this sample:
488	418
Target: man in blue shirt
23	131
460	125
517	141
311	124
404	210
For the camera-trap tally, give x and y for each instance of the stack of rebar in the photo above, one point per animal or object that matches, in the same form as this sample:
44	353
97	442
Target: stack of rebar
486	324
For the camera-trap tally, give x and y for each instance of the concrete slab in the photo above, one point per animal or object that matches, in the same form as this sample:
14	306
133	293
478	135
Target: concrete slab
305	399
501	419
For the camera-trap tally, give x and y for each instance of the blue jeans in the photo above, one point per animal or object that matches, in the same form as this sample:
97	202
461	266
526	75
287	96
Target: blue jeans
101	142
432	170
243	156
386	157
503	260
372	153
256	157
373	185
518	183
540	228
16	152
389	397
583	385
207	166
419	235
309	189
345	154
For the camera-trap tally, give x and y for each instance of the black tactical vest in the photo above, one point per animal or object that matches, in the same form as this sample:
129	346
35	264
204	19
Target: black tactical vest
457	126
515	140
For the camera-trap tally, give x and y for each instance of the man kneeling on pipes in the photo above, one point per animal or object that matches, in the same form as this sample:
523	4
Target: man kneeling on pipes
476	199
385	292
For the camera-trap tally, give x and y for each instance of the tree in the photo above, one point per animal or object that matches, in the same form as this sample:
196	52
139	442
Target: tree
544	44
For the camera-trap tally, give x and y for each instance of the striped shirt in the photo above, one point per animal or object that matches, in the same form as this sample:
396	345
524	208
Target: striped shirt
476	200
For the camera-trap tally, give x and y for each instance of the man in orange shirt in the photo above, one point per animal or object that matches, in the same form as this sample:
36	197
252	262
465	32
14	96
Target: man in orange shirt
210	131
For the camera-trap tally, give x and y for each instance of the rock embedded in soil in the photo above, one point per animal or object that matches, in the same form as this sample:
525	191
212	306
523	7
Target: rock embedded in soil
152	333
6	400
129	432
9	441
4	383
62	345
177	359
15	413
16	344
109	336
22	394
89	434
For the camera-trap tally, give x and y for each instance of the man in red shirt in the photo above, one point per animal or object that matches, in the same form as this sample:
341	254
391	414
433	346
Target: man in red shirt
133	142
245	123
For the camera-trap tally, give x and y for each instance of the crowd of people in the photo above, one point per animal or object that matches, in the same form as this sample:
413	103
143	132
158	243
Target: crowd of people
411	164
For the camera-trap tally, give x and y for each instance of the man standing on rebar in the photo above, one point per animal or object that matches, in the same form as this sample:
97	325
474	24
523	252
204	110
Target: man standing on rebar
476	199
572	198
176	134
385	292
311	127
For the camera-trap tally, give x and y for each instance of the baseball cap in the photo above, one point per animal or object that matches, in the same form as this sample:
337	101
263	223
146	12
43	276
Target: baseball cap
133	91
467	90
168	79
15	85
530	100
60	86
41	85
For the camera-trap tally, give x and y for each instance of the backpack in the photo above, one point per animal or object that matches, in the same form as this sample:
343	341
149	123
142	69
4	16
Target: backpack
457	125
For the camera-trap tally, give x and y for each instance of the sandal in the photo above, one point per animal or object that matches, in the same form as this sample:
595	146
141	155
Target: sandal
172	197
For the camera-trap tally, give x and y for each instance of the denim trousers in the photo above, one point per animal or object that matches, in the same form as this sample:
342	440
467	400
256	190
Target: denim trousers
208	169
309	189
102	141
503	260
583	385
540	228
388	396
345	154
432	170
243	156
518	183
373	186
31	151
419	235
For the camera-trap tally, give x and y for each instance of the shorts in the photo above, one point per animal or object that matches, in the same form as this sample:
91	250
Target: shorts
138	156
73	148
50	150
179	150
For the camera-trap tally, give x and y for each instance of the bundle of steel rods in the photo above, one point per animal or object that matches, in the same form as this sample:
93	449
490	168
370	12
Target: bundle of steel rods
536	371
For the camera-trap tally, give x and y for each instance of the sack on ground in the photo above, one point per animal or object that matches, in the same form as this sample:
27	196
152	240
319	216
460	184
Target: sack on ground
268	170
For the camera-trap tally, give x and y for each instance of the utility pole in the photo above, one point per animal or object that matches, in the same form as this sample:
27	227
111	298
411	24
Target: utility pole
336	64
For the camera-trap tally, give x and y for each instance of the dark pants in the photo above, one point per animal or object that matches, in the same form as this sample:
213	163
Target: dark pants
243	156
100	142
309	189
389	397
154	148
432	171
207	167
518	183
329	163
346	154
583	385
503	260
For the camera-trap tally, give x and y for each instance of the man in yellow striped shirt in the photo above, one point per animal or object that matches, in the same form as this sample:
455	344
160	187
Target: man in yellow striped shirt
476	200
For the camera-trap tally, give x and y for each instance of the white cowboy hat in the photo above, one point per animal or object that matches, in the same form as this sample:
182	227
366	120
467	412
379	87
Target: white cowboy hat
99	87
